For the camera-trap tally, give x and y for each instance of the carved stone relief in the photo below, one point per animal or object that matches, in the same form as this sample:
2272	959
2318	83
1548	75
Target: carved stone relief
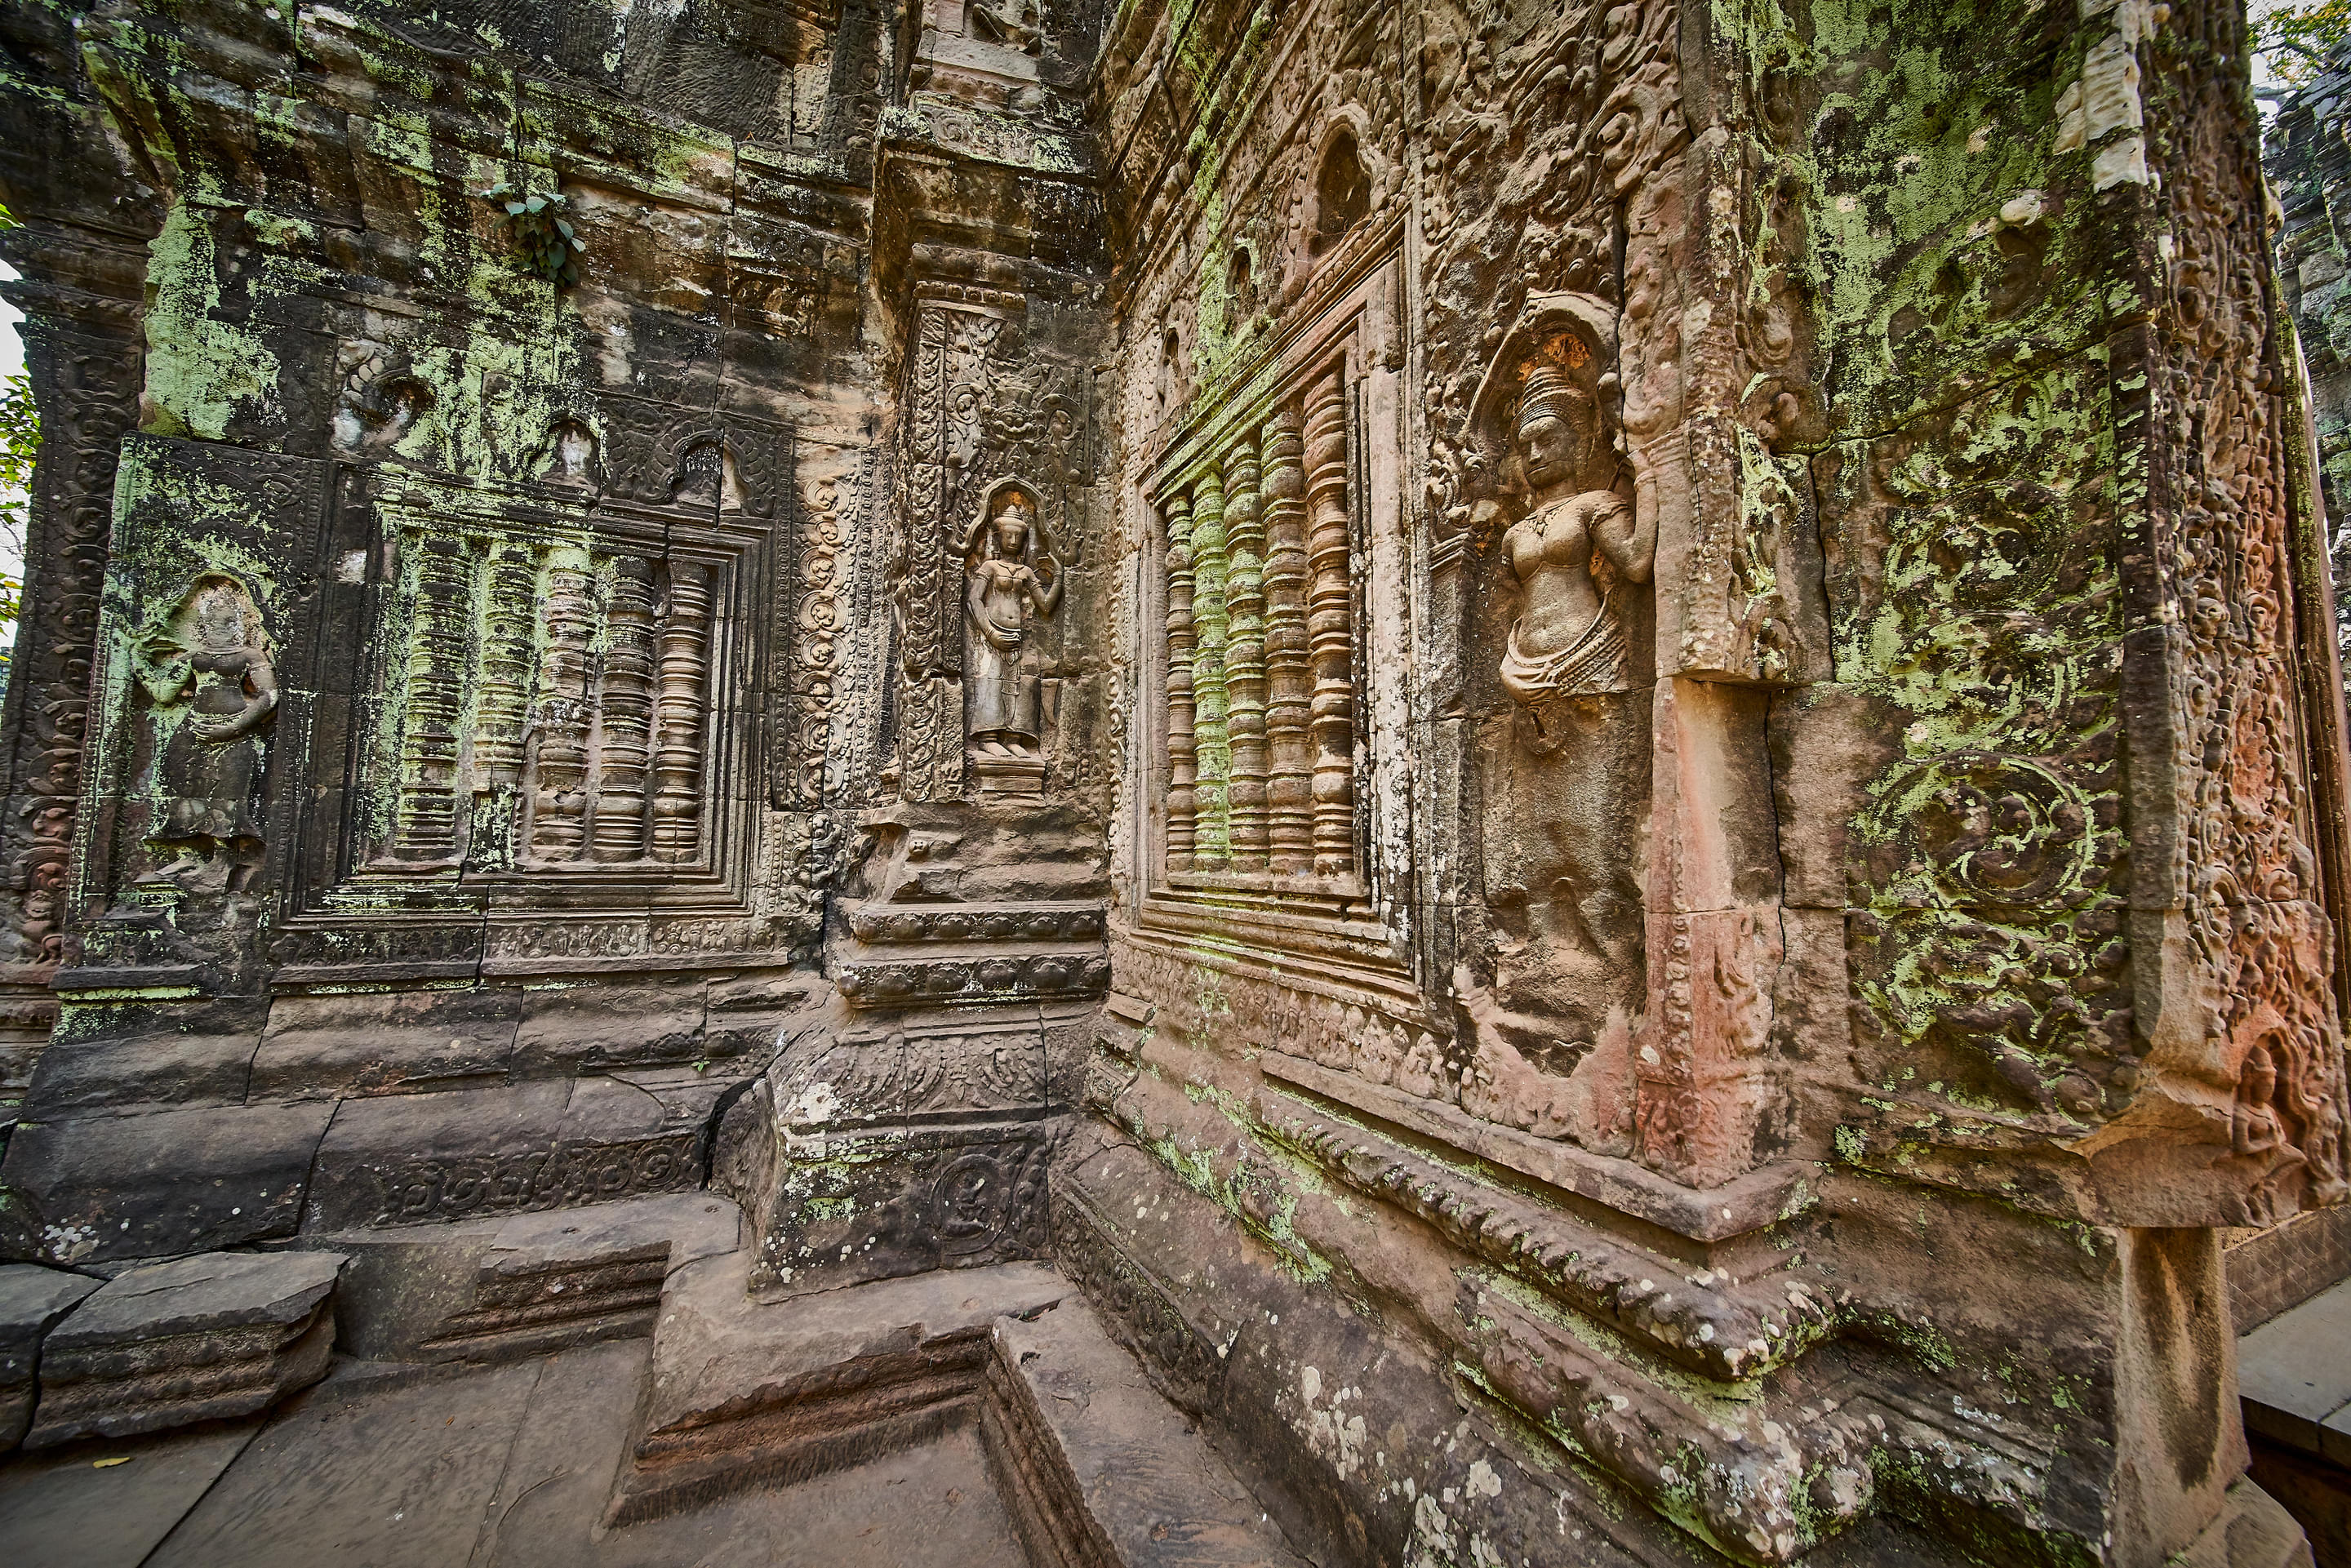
551	697
1013	587
205	668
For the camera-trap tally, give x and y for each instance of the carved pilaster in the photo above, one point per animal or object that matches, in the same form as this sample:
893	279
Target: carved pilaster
1290	799
1182	755
1330	627
1244	655
87	388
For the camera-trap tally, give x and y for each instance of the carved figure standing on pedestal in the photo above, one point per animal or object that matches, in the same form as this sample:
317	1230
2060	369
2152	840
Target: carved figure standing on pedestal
212	654
1575	549
1563	761
1006	592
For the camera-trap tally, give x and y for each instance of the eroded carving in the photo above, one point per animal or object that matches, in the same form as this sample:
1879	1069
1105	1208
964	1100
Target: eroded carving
207	673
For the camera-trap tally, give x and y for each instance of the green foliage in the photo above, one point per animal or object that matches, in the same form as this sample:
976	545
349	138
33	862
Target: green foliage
2299	36
544	242
20	439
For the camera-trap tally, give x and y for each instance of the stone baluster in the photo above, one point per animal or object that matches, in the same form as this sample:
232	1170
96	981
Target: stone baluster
685	672
1245	654
560	711
624	714
1330	627
1182	752
1210	806
425	825
509	623
1290	800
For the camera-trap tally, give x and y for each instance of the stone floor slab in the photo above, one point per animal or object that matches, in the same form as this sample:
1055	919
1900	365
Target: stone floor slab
61	1510
368	1477
2293	1372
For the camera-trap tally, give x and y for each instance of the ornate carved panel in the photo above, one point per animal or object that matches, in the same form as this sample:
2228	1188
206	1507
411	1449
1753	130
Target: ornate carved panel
981	407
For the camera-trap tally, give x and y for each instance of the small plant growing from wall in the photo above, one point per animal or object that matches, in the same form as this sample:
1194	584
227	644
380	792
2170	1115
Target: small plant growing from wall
544	245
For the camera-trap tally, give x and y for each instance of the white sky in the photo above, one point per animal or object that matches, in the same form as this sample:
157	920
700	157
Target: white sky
12	348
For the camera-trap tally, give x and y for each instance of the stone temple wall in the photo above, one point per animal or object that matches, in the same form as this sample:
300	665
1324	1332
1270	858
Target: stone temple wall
1595	747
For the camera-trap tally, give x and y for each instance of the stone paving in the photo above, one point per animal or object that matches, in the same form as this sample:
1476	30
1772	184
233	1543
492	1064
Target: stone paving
507	1466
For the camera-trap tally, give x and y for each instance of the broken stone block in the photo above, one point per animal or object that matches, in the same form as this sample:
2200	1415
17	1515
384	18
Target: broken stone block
199	1339
32	1300
96	1189
744	1392
520	1284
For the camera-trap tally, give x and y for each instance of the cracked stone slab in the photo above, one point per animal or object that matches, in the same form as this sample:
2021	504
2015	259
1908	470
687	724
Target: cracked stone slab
207	1338
32	1300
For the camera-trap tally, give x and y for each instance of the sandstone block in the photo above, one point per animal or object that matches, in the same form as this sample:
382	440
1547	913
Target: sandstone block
99	1188
206	1338
32	1300
1099	1469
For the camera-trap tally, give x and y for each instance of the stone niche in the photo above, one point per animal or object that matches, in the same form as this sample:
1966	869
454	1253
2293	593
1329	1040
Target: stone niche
1594	749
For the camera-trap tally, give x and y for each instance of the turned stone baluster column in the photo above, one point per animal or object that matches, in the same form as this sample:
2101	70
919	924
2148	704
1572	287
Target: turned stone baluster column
1181	754
559	713
510	620
1211	809
1330	627
1245	654
425	826
1290	795
684	665
624	715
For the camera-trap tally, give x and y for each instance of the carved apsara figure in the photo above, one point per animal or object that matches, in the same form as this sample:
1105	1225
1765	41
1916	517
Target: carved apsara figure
1563	761
1579	547
1012	579
213	656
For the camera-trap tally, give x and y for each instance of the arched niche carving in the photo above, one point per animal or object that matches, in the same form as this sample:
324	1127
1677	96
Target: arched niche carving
571	453
1343	181
706	474
1343	190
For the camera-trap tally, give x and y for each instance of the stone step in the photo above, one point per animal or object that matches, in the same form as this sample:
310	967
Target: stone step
750	1394
1094	1466
200	1339
1098	1470
521	1284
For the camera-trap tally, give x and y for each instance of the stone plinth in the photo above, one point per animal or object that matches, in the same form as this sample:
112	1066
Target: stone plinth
204	1338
